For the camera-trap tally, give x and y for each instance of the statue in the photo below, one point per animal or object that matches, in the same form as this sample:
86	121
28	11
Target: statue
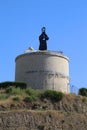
42	38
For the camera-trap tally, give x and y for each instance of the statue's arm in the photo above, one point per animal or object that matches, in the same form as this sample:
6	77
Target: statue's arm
47	38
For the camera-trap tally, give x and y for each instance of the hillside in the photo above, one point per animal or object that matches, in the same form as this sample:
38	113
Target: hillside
42	120
68	113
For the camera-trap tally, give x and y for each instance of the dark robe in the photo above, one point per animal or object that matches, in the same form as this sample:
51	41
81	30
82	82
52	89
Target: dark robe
42	38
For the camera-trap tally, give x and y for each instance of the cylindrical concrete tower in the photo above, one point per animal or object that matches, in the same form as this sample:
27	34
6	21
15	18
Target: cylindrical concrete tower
43	70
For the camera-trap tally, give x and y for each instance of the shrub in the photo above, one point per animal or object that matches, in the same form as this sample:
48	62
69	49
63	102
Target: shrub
83	92
30	99
30	91
4	96
16	99
6	84
13	90
52	95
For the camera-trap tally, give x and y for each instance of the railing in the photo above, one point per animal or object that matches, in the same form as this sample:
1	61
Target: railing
50	51
58	52
74	89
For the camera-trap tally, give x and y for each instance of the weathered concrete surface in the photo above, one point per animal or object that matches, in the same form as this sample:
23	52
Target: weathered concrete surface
42	120
43	70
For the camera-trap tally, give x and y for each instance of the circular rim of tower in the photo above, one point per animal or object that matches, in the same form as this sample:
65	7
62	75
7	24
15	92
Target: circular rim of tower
52	53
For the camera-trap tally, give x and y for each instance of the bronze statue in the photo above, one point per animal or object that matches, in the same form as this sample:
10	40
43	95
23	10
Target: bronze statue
42	38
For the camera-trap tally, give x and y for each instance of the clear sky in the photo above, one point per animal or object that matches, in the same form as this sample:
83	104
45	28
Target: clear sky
66	25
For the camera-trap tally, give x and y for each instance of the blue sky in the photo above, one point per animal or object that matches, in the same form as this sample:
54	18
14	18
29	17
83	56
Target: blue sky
66	25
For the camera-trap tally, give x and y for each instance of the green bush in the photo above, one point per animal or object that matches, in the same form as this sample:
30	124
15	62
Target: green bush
13	90
83	92
17	99
52	95
30	98
4	85
30	91
4	96
31	95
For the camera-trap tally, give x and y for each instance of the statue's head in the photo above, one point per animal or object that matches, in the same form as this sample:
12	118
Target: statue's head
43	29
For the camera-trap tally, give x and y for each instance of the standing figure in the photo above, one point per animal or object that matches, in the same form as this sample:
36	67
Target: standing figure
42	38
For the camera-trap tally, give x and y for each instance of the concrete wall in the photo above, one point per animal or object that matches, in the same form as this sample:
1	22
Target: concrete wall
43	70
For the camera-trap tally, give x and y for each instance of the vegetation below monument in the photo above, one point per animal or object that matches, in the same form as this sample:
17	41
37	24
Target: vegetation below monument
16	95
29	109
15	98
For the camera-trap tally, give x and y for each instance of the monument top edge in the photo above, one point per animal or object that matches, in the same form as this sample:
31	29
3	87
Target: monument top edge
46	52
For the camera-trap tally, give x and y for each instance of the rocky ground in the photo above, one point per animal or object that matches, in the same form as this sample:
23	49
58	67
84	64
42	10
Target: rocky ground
68	114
